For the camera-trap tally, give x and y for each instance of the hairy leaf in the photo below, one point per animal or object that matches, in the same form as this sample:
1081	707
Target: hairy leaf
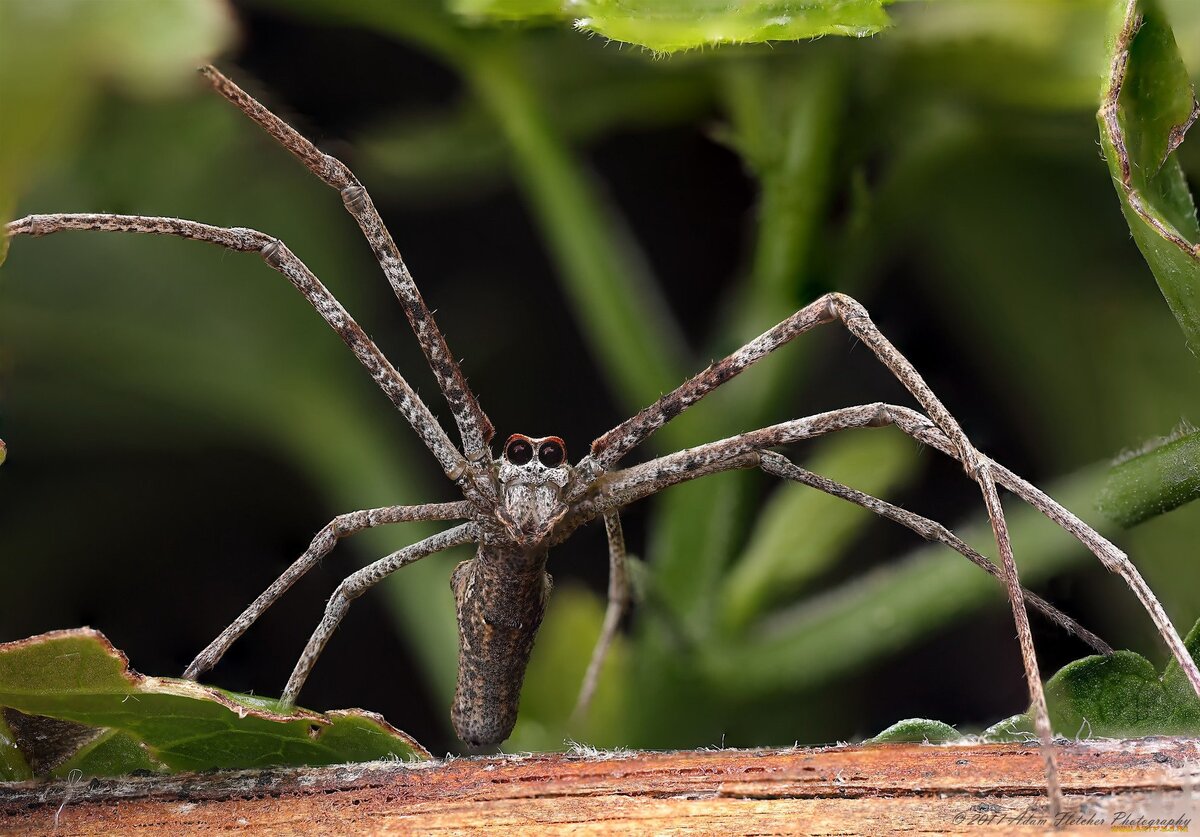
678	25
1118	696
1153	481
916	730
1123	696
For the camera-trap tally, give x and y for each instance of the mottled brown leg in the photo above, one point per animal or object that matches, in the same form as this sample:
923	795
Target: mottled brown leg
618	602
358	583
340	527
778	465
278	256
474	426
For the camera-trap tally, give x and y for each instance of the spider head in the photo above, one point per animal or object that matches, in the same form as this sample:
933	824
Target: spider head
533	473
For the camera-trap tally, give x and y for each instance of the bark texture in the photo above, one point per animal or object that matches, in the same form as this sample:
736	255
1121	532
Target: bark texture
921	789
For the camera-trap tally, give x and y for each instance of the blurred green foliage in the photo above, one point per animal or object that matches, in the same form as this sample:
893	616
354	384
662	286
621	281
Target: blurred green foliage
943	171
55	58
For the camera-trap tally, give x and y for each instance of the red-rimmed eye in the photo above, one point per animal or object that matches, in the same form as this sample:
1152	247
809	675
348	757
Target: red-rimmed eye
551	453
518	451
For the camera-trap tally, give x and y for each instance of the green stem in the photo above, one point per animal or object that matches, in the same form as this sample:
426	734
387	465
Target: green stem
791	147
785	124
1153	482
607	282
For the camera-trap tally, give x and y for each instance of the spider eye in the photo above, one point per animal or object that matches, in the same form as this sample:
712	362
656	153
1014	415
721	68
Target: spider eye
551	453
518	451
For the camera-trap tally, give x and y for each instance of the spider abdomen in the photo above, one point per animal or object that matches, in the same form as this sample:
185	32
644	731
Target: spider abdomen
500	597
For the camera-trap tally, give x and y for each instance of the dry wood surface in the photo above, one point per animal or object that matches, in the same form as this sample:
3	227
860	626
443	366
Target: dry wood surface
881	789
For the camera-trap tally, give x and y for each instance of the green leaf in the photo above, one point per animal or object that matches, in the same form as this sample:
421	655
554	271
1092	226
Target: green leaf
916	731
1147	105
1121	696
1115	697
1016	728
1153	481
1118	696
117	720
672	25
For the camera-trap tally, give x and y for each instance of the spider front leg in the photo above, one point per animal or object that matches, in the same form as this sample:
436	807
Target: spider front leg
474	426
358	583
322	544
277	255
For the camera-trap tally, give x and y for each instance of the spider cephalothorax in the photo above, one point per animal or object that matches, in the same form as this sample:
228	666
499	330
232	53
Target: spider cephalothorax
532	473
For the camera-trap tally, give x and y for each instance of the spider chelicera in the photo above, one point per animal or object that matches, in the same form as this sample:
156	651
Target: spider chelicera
516	507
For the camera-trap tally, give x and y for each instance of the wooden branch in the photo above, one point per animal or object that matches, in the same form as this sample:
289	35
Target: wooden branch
850	789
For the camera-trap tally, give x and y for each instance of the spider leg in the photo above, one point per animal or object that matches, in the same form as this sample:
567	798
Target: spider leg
279	257
778	465
322	544
748	450
630	484
618	601
358	583
856	320
474	426
609	448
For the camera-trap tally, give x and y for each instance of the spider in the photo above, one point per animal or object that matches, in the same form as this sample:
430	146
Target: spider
518	506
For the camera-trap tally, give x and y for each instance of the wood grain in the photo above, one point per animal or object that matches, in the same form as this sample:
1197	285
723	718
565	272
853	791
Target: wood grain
915	789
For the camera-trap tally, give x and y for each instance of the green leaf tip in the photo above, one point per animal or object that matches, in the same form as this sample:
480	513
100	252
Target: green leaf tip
69	701
1147	104
917	731
674	25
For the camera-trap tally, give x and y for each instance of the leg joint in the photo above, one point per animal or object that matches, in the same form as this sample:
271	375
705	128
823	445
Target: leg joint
272	252
847	308
355	197
349	590
882	417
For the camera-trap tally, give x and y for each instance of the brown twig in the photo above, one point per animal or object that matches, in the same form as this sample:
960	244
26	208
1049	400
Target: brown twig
906	788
